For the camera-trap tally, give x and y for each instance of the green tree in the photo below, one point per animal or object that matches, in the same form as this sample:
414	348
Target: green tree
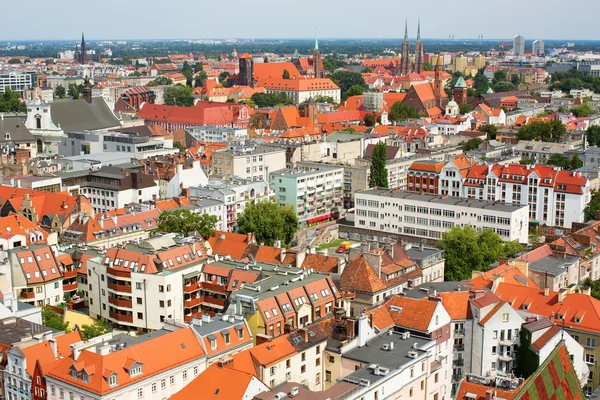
559	160
324	99
346	79
98	328
467	250
367	70
583	110
198	67
286	74
527	161
223	76
74	91
471	144
465	108
490	129
504	87
401	112
10	101
178	95
379	172
370	119
60	92
594	286
355	90
187	71
593	206
135	74
481	83
54	320
184	222
428	66
332	62
269	221
161	81
593	135
515	80
272	99
499	76
576	162
200	78
14	61
551	131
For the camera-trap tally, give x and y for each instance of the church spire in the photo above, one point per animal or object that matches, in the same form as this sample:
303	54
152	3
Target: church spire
406	28
317	38
419	29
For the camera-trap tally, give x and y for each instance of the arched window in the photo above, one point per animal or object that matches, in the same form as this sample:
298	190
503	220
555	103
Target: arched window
38	121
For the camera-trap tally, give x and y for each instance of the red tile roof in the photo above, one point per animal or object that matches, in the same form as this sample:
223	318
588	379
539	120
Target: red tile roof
216	383
411	313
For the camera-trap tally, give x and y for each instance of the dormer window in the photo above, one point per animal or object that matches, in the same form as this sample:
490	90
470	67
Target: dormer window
577	320
84	377
135	371
74	373
112	380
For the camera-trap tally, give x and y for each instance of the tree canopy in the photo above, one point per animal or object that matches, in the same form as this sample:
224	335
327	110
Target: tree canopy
184	221
490	129
11	102
551	131
471	144
401	112
286	74
178	95
54	320
594	286
583	110
481	83
465	108
370	119
60	92
573	79
200	78
272	99
161	81
269	221
590	211
379	172
593	135
98	328
257	121
467	250
346	80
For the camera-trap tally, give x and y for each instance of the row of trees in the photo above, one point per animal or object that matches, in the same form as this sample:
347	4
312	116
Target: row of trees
10	101
271	99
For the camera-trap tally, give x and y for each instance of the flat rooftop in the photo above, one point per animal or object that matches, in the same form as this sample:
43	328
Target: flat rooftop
305	172
14	330
553	265
445	200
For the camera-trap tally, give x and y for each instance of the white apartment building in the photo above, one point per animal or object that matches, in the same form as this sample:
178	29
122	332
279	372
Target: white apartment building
313	193
17	81
140	287
212	207
122	367
429	216
495	342
248	161
234	194
554	197
219	134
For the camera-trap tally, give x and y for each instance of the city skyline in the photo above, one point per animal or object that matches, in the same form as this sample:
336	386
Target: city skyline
270	20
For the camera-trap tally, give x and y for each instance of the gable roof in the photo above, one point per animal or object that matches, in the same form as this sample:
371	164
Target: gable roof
43	353
275	70
216	383
79	115
411	313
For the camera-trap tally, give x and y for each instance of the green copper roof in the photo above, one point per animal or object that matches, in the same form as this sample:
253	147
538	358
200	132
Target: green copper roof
317	38
296	55
489	91
460	83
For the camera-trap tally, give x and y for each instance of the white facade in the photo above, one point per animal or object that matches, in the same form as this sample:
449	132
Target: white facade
302	96
112	199
219	134
184	178
518	45
429	216
248	162
495	339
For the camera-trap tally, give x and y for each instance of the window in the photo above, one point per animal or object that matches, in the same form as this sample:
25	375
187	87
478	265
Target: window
590	342
410	392
226	338
172	379
112	380
195	371
327	376
153	387
161	288
240	333
302	368
273	370
213	343
589	358
303	355
184	375
163	383
505	317
436	377
288	363
140	393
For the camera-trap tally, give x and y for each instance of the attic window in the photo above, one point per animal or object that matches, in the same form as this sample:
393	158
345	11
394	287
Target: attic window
84	377
112	380
38	258
53	270
547	180
171	263
135	371
74	373
525	306
314	296
577	320
324	292
178	259
47	256
186	258
29	259
28	275
8	229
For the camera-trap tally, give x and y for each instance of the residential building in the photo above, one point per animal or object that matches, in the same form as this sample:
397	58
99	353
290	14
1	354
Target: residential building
175	173
157	364
314	194
426	216
23	376
219	134
424	176
518	46
540	151
234	194
17	143
212	207
109	188
537	48
301	89
550	266
141	286
17	81
247	161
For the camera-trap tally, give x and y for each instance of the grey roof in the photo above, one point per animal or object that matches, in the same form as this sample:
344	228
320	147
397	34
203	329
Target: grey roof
435	199
554	266
216	325
540	323
128	341
79	115
206	202
424	290
373	353
16	128
418	254
13	330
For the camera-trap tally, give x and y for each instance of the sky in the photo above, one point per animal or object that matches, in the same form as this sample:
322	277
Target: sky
187	19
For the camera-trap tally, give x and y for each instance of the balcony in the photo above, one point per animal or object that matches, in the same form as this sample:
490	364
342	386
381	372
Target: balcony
435	365
505	357
459	332
27	295
459	362
121	317
456	378
188	318
118	273
69	274
69	287
193	302
120	302
506	342
459	347
191	287
119	288
212	287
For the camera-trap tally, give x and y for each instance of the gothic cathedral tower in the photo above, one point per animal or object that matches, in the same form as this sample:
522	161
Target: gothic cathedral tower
317	58
419	56
405	56
438	87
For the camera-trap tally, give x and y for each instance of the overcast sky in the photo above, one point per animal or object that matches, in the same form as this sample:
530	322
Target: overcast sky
155	19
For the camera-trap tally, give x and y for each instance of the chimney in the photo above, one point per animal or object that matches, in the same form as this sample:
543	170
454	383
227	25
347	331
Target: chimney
562	293
496	280
374	261
53	346
490	394
546	292
282	254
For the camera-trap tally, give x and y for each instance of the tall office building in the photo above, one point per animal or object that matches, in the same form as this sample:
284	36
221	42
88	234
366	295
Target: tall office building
518	45
538	47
